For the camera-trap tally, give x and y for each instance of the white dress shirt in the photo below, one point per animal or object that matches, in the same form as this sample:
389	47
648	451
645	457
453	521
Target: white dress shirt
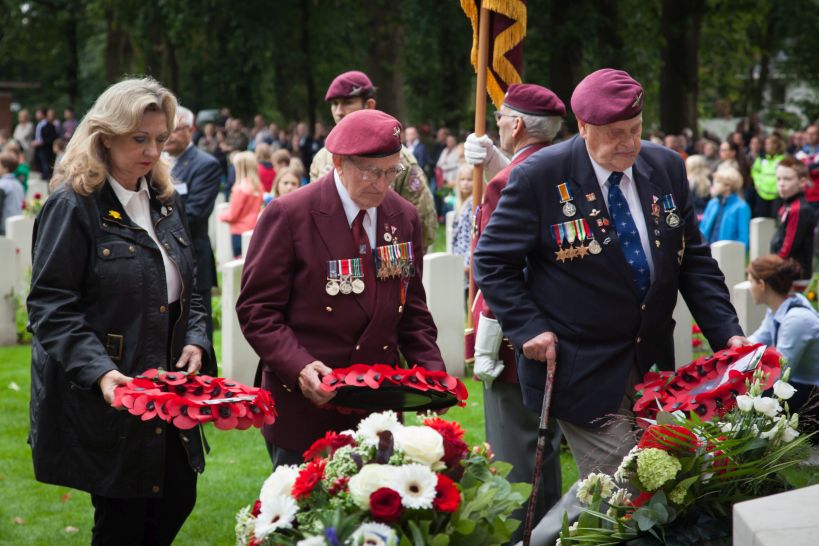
137	206
351	210
629	189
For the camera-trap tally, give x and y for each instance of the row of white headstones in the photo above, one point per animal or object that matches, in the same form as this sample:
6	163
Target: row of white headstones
442	279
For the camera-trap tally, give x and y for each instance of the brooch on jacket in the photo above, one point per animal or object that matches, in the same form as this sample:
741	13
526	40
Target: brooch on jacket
115	215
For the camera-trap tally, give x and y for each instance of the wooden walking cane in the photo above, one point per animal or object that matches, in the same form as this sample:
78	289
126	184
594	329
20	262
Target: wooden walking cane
480	130
541	444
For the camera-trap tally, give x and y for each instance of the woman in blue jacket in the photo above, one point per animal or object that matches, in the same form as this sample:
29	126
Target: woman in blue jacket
727	216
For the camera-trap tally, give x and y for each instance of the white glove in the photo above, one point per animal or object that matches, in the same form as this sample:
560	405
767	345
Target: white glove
481	151
487	344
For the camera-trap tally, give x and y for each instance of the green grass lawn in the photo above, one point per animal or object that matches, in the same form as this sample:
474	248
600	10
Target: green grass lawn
33	513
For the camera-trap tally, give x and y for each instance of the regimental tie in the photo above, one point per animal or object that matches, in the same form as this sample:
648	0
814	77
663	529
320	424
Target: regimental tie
629	236
362	245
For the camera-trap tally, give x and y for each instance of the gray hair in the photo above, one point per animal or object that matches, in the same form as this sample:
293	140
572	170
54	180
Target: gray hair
185	115
543	128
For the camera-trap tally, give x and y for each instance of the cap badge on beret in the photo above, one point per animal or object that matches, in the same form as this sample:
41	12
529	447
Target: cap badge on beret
637	100
396	132
355	91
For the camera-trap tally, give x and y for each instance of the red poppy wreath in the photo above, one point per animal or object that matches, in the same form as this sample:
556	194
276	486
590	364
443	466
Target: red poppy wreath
186	400
707	386
378	387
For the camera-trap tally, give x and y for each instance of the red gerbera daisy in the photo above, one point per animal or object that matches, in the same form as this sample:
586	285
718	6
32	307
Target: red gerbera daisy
447	496
308	478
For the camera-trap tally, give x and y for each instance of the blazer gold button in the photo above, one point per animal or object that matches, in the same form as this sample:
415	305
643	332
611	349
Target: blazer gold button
643	307
328	309
131	249
639	340
166	245
358	347
181	240
162	308
106	252
158	430
385	347
155	489
400	308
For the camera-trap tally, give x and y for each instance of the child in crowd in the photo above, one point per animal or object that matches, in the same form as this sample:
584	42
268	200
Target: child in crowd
791	324
699	181
298	169
58	147
245	199
794	237
287	181
11	190
462	226
23	168
280	159
727	216
267	174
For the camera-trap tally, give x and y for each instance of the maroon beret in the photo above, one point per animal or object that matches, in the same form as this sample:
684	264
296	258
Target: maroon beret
368	132
349	84
528	98
606	96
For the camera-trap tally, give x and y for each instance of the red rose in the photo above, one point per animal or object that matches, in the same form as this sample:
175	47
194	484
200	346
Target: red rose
669	438
327	446
257	508
696	342
308	478
447	496
385	505
695	329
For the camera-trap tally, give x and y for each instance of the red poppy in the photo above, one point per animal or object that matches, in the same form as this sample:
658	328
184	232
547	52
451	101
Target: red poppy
447	496
227	416
674	438
385	505
308	478
327	446
695	329
696	342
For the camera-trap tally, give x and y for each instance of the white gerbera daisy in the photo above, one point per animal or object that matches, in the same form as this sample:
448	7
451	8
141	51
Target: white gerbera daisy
600	484
374	534
624	472
369	427
416	485
280	482
277	513
312	541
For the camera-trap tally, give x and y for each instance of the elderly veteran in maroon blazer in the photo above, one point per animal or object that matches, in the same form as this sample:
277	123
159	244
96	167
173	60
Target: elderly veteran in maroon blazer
311	299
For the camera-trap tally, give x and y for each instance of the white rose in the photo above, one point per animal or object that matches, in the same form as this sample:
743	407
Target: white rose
767	406
279	483
422	445
745	402
370	478
312	541
783	391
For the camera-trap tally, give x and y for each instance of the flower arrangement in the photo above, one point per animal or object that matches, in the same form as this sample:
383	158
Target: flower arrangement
33	206
677	485
186	400
385	484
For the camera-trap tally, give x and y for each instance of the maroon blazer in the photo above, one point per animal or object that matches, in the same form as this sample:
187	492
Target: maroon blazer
290	320
491	196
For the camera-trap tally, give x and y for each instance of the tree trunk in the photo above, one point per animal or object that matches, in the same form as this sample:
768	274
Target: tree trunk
309	82
758	86
680	25
387	35
565	56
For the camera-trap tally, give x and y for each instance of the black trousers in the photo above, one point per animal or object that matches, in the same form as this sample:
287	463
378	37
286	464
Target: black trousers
281	456
149	521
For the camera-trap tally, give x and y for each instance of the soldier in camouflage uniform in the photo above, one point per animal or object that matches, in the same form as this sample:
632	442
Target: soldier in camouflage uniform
352	91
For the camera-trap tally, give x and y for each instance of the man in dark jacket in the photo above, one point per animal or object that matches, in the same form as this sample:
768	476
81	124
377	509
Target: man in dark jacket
197	177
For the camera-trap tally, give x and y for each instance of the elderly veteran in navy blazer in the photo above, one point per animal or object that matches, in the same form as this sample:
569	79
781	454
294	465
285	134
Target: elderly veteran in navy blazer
314	298
604	227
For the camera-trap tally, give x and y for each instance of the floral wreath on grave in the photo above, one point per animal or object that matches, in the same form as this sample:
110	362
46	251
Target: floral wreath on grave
186	400
364	388
708	385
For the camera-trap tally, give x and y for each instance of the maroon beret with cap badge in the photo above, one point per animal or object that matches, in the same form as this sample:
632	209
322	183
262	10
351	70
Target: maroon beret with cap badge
607	96
349	84
528	98
368	133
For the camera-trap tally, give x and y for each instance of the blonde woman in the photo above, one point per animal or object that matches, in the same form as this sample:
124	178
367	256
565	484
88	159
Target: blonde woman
110	298
699	182
245	199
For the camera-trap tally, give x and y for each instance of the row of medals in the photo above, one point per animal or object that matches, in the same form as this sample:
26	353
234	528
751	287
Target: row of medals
580	251
344	285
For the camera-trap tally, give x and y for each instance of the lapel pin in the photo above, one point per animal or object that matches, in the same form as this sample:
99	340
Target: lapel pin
591	197
607	240
594	213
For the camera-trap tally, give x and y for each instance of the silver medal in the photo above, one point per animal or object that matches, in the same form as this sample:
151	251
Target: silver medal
387	237
358	286
594	247
672	220
346	287
569	209
331	288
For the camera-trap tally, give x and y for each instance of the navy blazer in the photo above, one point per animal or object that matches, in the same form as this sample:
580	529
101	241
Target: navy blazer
201	172
591	304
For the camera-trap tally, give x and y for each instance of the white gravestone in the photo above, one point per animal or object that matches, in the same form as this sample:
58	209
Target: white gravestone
246	242
786	519
750	314
37	186
730	256
8	287
443	281
683	353
213	220
20	230
762	231
239	361
450	220
224	248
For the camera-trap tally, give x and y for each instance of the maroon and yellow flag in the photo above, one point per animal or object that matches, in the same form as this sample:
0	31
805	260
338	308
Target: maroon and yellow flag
507	28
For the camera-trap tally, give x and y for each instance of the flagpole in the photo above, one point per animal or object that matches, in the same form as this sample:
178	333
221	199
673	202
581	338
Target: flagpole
480	130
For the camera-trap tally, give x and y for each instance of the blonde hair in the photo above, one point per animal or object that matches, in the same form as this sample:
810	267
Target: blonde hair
263	151
696	167
297	167
280	176
118	111
730	177
247	169
463	169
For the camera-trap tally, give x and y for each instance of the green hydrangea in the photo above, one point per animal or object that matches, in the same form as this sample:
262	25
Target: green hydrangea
655	467
341	465
677	495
